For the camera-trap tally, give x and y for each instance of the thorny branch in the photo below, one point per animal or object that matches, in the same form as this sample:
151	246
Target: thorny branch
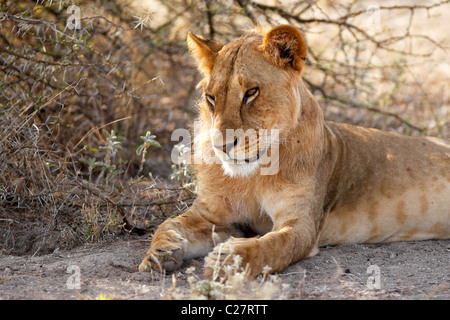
305	14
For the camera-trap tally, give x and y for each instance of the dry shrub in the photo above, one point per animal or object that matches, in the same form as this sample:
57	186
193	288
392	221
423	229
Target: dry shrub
74	105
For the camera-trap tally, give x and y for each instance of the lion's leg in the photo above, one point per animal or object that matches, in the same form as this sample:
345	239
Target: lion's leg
291	241
185	237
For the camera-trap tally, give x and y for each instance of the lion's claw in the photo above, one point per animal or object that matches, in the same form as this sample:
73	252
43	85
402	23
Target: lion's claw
163	256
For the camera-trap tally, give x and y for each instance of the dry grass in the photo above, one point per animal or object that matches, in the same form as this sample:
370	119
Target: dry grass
230	282
74	105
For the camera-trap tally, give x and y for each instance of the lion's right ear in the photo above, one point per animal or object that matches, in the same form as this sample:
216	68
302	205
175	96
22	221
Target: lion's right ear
284	46
205	51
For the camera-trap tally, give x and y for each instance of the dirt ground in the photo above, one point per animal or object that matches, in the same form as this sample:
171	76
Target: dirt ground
406	270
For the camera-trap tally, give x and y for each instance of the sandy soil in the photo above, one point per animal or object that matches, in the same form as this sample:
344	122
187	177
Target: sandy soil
407	270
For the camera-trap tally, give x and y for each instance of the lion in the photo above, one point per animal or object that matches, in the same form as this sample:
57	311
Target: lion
335	183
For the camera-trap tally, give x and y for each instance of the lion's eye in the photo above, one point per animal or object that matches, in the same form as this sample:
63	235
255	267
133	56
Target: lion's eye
251	92
211	102
250	95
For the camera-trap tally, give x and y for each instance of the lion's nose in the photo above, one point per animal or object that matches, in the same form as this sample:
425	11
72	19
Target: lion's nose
227	147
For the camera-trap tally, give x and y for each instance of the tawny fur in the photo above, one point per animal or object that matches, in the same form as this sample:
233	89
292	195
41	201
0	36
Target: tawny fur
336	183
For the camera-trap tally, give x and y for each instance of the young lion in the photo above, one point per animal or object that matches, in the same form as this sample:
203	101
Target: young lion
335	183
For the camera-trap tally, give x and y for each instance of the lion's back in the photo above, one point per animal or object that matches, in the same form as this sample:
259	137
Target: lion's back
390	187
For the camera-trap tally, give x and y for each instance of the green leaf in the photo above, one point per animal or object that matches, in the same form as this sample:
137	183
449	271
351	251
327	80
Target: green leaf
139	149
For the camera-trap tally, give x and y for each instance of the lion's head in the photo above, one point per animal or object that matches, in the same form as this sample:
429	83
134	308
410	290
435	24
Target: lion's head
251	94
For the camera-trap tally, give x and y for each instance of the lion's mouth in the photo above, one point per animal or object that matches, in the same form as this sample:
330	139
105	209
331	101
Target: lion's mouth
253	159
242	167
247	160
257	157
232	158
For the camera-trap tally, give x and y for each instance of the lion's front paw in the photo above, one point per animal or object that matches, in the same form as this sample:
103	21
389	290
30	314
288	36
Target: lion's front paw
166	253
235	255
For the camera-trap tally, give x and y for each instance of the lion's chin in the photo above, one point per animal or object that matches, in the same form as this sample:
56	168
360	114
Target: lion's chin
240	169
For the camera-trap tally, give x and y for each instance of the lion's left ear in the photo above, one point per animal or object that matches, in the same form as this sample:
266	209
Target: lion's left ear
284	46
205	51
